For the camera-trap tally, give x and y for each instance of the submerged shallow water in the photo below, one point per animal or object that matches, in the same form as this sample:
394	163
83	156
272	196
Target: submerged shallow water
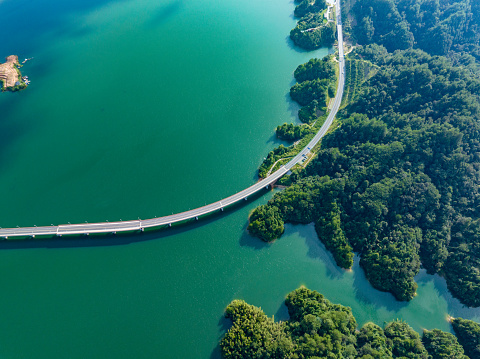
141	109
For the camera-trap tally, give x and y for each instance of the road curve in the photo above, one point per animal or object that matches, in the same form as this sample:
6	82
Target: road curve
141	224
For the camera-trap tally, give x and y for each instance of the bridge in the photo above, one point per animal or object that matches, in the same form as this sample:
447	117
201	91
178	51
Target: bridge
141	224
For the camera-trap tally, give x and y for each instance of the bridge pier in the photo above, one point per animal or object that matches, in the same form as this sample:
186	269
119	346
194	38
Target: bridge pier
169	224
196	218
33	236
245	198
142	229
221	209
114	233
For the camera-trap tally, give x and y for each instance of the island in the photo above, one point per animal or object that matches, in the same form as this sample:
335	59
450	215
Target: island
10	75
318	328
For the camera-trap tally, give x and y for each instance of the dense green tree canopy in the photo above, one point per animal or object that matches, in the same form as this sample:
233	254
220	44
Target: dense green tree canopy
468	333
405	342
437	27
441	345
315	80
309	6
312	30
319	329
314	69
291	132
311	112
253	334
307	91
372	343
266	223
399	180
312	33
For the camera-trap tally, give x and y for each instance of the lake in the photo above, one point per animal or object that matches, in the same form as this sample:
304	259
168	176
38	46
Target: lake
140	109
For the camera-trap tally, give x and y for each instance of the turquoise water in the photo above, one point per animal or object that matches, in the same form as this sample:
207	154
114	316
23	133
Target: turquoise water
138	109
141	109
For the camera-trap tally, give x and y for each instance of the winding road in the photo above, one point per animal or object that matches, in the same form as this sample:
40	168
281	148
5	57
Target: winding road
141	224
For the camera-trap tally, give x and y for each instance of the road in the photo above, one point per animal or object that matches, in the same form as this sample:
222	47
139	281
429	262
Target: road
141	224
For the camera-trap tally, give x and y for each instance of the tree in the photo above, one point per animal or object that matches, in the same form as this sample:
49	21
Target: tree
330	232
306	92
309	6
266	223
406	342
372	343
442	345
318	328
315	69
468	334
253	334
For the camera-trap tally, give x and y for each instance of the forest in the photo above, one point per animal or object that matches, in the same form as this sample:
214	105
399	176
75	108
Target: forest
437	27
313	30
314	88
290	132
315	83
318	328
398	180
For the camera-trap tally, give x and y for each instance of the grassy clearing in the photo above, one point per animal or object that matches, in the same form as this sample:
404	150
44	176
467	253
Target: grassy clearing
356	73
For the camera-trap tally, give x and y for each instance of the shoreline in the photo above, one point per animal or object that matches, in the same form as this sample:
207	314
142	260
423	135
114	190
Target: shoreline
167	221
10	75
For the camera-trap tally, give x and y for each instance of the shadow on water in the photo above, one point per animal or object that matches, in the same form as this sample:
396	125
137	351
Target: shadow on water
224	325
332	50
246	240
291	45
293	107
216	353
455	308
39	67
365	292
282	313
273	139
104	240
164	13
317	250
255	175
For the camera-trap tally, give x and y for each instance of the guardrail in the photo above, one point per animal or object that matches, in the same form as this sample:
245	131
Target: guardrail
141	224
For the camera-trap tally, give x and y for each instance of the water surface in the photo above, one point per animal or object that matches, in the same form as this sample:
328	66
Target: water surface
140	109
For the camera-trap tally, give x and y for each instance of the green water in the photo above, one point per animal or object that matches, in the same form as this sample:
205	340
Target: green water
140	109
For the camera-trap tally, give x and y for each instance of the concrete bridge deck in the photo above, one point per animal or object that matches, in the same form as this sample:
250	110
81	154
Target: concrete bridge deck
141	224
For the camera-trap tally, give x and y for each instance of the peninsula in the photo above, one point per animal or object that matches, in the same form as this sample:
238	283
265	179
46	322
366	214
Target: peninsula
317	328
397	182
10	75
